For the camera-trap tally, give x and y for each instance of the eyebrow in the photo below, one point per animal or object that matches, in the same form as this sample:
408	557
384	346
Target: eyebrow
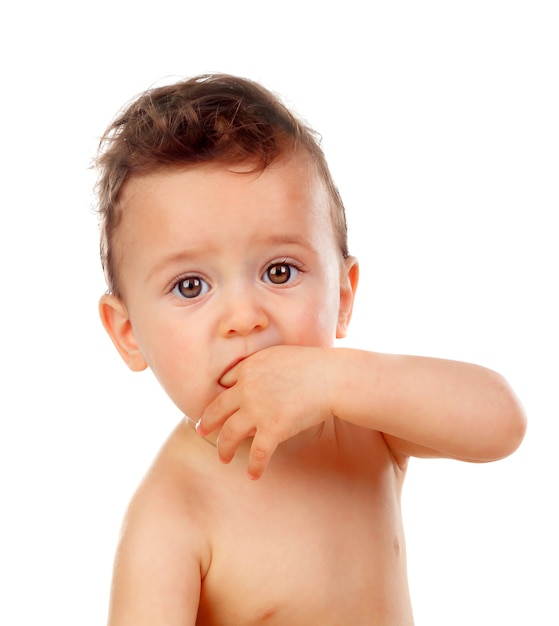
273	239
177	257
285	239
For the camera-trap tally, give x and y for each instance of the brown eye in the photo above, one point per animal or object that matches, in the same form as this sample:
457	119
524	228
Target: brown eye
190	287
280	273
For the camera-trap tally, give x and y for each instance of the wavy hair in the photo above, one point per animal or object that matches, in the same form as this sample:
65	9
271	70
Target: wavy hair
209	118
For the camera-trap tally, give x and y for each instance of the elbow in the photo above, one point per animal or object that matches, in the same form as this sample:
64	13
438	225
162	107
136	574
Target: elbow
511	435
509	423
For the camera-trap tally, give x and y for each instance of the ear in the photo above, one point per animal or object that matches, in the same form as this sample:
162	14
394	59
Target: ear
116	321
349	277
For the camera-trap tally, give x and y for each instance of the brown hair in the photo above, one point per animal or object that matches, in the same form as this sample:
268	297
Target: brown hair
208	118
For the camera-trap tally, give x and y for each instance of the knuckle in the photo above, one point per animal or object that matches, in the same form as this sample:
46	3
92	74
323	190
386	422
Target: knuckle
259	453
227	434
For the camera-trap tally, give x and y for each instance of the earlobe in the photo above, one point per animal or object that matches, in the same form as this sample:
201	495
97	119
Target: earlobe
116	321
349	277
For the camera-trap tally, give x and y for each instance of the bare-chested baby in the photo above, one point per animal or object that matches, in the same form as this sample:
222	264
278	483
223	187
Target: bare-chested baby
277	498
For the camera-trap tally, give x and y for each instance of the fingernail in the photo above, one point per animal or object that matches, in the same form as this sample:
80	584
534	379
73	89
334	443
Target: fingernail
197	427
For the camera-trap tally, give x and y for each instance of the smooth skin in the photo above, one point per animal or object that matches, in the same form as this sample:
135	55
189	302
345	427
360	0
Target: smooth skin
233	294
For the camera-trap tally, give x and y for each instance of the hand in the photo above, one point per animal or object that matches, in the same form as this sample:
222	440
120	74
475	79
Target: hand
272	395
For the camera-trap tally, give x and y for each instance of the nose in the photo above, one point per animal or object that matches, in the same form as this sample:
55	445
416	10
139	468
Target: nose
243	313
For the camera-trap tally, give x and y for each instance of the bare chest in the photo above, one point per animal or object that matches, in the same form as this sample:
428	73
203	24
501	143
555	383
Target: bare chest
316	544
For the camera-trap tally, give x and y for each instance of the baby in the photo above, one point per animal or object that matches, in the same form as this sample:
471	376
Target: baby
276	500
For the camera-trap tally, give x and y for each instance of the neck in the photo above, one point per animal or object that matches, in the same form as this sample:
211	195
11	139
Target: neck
211	438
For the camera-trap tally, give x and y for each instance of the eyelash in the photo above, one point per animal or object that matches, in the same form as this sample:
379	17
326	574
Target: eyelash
290	263
175	285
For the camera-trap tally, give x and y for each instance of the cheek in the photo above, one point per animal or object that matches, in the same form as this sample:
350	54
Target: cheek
316	322
169	352
184	377
327	320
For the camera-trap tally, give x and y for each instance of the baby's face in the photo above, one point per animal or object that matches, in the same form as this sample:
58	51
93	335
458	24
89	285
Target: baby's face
216	265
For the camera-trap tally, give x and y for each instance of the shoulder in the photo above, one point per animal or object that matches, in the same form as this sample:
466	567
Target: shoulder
163	551
167	508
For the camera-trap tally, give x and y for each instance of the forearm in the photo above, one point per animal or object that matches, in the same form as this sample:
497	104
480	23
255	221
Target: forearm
456	409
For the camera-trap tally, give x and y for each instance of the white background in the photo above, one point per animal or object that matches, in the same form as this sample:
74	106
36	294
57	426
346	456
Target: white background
440	122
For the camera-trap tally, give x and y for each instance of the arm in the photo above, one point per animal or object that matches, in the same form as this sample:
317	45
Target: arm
157	571
429	407
423	406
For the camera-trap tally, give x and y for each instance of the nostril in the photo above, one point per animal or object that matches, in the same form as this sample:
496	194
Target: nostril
244	319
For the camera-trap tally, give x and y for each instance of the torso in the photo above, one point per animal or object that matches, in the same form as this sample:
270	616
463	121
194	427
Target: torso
317	540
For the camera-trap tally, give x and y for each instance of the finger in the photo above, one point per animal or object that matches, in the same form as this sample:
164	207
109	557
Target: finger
230	377
217	412
230	437
261	451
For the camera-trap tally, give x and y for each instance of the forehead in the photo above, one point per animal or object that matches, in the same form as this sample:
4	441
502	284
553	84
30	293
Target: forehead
217	207
289	191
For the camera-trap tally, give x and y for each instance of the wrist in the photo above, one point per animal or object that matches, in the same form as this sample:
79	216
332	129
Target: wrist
353	374
338	379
